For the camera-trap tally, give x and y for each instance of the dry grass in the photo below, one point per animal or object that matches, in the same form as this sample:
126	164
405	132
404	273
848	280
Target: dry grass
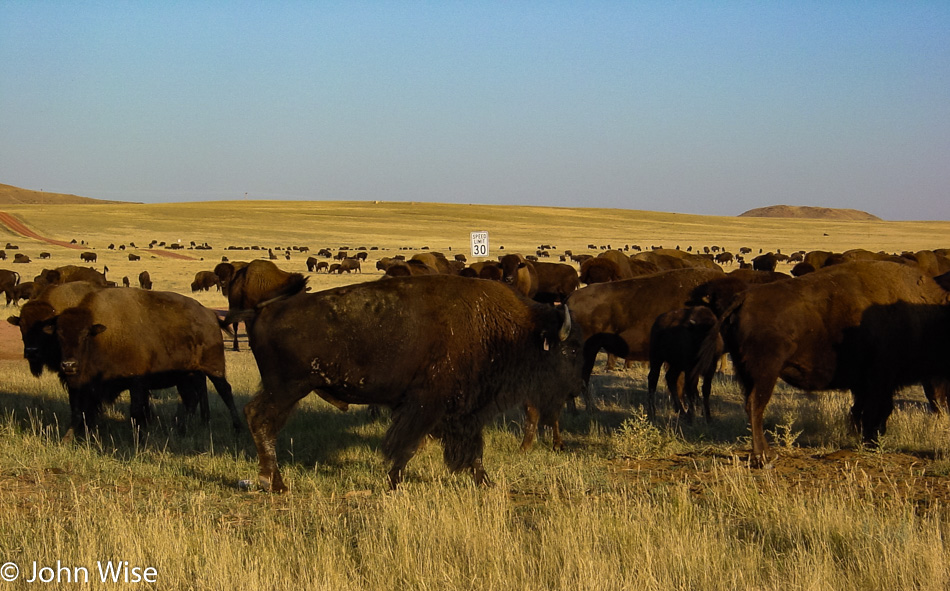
629	505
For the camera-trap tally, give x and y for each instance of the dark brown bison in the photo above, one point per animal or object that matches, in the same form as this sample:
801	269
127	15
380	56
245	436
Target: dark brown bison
675	340
119	339
445	353
8	282
24	291
134	257
618	316
600	270
21	258
88	257
256	282
204	281
556	281
311	264
869	327
145	280
225	270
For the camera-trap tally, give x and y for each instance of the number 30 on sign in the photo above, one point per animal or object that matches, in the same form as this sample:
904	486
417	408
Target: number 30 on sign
479	244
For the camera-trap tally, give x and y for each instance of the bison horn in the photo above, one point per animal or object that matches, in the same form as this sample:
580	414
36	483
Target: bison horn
566	327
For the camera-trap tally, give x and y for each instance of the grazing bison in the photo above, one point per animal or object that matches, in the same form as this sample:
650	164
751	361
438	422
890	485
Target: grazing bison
350	264
204	281
145	280
675	340
445	353
870	327
256	282
618	316
311	264
136	340
88	257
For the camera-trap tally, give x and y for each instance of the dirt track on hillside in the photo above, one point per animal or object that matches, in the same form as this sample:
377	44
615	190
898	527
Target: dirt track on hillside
18	227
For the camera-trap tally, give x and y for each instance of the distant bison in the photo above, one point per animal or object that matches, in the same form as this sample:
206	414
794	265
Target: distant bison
88	257
204	281
145	280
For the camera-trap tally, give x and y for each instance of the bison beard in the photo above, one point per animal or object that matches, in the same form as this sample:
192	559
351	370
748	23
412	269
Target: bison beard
445	353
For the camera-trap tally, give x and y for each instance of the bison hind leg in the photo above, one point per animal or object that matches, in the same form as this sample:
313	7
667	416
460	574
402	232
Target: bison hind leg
266	413
409	427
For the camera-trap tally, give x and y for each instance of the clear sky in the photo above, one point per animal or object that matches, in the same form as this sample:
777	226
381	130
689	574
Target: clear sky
696	107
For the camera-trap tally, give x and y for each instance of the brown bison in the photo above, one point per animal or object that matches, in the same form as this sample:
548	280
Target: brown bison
136	340
145	280
40	348
204	281
68	274
520	274
8	282
256	282
870	327
556	281
88	257
675	340
445	353
618	316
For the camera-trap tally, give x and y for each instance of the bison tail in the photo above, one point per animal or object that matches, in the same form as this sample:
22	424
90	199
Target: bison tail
233	317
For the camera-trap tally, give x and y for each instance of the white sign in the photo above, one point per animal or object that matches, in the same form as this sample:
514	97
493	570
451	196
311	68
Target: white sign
479	244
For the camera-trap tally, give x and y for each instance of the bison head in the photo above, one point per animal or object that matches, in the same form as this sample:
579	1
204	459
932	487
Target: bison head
37	329
74	330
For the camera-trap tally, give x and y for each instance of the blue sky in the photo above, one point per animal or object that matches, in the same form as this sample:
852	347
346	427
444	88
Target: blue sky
693	107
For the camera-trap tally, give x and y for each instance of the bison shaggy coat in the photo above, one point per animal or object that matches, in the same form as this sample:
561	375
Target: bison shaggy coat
445	353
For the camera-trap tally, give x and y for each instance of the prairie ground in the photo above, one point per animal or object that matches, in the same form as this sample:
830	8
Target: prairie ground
629	504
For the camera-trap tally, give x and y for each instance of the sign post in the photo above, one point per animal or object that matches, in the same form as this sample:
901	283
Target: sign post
479	244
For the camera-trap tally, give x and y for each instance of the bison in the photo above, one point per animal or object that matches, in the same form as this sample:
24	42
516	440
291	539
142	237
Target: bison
8	282
88	257
256	282
618	316
556	281
870	327
445	353
675	340
520	274
204	281
145	280
119	339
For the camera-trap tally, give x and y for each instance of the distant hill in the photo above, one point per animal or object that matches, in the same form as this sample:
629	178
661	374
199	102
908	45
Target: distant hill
10	195
813	213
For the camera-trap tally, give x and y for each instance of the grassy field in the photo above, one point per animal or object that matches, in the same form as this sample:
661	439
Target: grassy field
628	505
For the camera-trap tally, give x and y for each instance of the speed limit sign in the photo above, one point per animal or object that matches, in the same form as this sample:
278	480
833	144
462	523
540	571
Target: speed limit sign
479	244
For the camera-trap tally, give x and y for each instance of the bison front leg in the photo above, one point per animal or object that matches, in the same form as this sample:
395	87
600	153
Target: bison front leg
410	425
462	446
531	418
